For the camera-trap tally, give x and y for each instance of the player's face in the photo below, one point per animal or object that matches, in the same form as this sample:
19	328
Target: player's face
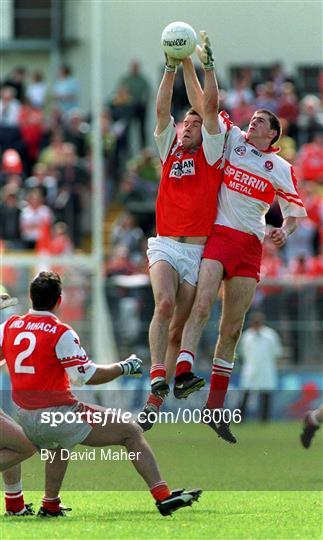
259	127
192	134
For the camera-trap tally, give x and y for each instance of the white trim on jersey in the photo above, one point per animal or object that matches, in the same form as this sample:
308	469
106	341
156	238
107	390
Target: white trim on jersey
252	178
165	139
73	358
213	144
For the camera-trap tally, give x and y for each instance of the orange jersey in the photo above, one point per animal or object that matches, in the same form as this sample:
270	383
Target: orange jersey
40	352
187	197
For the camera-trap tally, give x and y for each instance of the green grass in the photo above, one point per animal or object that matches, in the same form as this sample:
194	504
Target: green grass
267	486
102	515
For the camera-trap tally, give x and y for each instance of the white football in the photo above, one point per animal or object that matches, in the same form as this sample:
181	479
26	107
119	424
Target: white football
178	40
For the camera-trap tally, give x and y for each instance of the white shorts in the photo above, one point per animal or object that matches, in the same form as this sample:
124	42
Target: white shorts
184	258
45	435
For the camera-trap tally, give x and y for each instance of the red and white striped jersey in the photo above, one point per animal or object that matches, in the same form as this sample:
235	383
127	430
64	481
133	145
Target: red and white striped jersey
252	178
42	354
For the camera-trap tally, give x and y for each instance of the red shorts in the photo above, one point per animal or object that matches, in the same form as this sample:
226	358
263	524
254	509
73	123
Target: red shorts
239	252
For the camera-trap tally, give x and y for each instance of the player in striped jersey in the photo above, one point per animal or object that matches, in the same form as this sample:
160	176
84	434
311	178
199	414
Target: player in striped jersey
253	176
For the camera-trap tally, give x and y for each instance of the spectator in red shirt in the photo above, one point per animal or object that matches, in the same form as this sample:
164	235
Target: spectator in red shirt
310	159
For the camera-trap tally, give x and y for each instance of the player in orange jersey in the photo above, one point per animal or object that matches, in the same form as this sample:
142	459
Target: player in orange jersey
43	355
14	448
185	210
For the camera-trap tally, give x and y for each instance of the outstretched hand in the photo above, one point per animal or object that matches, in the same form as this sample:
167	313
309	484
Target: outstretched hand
6	301
205	52
171	64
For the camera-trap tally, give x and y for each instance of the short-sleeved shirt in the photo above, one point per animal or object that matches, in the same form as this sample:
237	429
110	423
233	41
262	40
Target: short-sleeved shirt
189	185
42	354
251	180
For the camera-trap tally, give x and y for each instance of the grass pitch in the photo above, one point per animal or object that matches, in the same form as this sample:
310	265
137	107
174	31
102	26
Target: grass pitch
240	500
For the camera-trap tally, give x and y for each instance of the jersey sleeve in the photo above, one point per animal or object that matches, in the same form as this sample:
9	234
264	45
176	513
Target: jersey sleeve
73	358
213	146
288	197
166	139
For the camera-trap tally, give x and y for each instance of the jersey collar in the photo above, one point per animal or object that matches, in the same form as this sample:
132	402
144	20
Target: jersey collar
269	150
42	313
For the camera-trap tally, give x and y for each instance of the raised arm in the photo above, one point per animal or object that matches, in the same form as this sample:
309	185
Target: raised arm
206	102
194	91
165	94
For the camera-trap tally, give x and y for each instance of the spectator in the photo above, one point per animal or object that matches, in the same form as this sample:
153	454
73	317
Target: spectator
310	118
240	92
120	108
33	217
260	348
60	242
147	168
76	130
16	81
10	218
278	77
132	191
125	233
266	97
44	181
36	90
288	108
11	162
302	242
32	129
52	155
310	158
66	91
9	107
120	263
138	88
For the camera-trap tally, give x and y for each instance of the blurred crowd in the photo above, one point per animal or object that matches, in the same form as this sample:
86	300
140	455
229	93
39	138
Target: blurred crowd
46	163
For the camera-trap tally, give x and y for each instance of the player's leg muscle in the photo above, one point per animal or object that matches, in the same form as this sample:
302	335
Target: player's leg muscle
237	298
183	306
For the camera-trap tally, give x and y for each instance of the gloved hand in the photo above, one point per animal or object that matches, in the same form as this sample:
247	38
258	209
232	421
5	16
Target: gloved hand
205	52
171	64
7	301
131	366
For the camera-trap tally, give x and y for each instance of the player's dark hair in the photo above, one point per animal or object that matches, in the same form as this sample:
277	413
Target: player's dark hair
192	112
45	290
274	123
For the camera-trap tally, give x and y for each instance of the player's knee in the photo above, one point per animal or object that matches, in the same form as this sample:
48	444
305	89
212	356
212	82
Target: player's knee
230	332
202	309
165	308
132	433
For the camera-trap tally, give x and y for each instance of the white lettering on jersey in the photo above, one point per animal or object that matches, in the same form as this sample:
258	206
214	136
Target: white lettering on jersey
182	168
18	323
45	327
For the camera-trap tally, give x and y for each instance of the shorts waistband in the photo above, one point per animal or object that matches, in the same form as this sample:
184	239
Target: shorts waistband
191	240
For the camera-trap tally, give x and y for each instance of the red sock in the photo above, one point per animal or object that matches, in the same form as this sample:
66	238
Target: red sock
184	362
53	505
157	371
156	401
221	372
14	501
160	491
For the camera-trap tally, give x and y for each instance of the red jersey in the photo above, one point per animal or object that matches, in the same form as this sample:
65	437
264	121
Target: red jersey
41	354
187	197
